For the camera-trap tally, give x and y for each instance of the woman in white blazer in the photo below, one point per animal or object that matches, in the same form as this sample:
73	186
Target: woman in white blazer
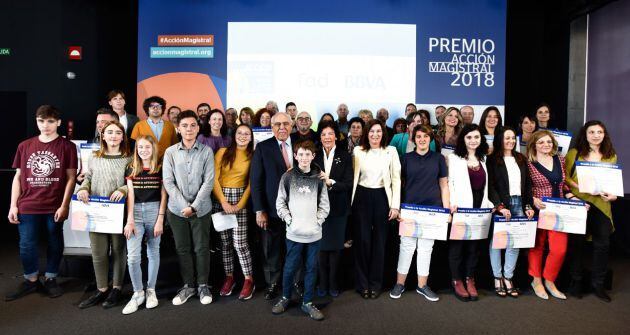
468	187
375	201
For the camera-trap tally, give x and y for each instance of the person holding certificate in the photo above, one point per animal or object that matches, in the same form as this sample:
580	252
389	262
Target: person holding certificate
336	164
232	190
468	187
375	201
146	204
511	188
450	125
546	169
106	178
425	179
593	145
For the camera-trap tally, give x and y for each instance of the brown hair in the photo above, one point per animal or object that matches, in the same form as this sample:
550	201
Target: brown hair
113	93
136	164
47	112
229	156
124	145
537	135
258	116
605	148
365	141
306	145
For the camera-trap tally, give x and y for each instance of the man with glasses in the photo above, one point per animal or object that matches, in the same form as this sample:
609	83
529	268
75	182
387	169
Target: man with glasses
304	131
272	158
162	130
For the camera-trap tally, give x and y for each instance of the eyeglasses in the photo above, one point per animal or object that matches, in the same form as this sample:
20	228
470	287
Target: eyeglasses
304	119
155	106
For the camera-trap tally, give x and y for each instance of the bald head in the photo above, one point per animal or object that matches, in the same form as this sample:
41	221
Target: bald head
304	122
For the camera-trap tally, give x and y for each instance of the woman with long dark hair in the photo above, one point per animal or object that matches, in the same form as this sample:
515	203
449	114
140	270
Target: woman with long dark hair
468	188
231	191
511	188
214	131
593	145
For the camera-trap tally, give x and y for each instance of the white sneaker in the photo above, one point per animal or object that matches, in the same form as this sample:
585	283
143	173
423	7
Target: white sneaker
152	300
204	294
136	300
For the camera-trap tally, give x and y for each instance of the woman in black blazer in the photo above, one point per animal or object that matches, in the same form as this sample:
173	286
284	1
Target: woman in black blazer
511	188
336	166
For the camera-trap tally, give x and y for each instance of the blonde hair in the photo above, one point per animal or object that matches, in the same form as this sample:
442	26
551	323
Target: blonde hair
531	144
366	112
136	165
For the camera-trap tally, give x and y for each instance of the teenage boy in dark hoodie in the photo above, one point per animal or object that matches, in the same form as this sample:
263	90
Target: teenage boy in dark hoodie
303	205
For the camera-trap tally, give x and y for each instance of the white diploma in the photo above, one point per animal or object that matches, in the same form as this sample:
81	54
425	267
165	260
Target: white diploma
261	134
598	177
471	224
518	232
223	221
564	140
428	222
86	151
99	215
563	215
447	150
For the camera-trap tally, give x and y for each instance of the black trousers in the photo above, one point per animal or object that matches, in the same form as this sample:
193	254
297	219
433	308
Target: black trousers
463	253
328	266
599	227
370	210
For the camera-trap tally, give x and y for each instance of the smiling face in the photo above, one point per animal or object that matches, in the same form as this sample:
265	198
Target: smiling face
281	127
422	141
544	145
509	140
528	125
203	110
246	118
304	158
451	119
145	149
117	103
492	119
595	135
216	122
113	136
243	135
472	140
188	128
304	122
328	138
416	121
265	120
48	126
439	111
375	135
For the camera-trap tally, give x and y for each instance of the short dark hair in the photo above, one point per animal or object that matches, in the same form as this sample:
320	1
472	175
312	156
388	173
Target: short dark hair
289	104
411	116
426	114
357	120
365	142
460	148
306	145
113	93
328	124
148	101
411	104
422	128
186	114
47	112
108	111
204	104
172	107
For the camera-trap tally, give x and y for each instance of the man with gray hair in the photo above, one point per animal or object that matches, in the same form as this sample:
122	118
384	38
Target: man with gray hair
468	114
382	115
272	106
342	119
304	131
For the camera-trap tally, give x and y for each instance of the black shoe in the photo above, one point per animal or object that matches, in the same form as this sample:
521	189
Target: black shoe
299	290
365	294
374	294
94	299
52	289
600	292
575	289
112	299
26	287
271	292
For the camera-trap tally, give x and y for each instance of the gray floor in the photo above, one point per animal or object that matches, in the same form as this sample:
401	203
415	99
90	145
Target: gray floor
345	315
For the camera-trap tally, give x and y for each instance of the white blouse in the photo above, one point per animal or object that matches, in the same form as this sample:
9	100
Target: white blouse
514	175
371	174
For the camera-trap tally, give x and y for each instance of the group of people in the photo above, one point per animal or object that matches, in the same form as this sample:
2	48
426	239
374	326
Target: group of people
303	188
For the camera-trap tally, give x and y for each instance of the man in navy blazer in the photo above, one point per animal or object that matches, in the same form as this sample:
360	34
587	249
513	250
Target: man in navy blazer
268	165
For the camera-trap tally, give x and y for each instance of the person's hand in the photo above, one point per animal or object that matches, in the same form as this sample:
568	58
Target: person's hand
116	196
261	220
81	177
538	203
453	209
158	228
506	213
529	213
227	208
130	229
83	196
61	214
187	212
323	176
393	213
608	197
13	215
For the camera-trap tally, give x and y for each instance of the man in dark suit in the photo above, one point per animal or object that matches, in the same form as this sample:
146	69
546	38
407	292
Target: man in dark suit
116	99
383	114
272	158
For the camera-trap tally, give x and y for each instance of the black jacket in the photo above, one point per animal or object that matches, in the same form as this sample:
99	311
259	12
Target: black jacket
342	173
499	185
266	170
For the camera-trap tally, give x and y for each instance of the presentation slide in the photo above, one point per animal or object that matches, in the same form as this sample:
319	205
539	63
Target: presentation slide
319	65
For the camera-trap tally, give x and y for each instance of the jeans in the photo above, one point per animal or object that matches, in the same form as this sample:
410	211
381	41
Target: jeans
511	254
292	264
423	260
144	214
192	242
28	229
